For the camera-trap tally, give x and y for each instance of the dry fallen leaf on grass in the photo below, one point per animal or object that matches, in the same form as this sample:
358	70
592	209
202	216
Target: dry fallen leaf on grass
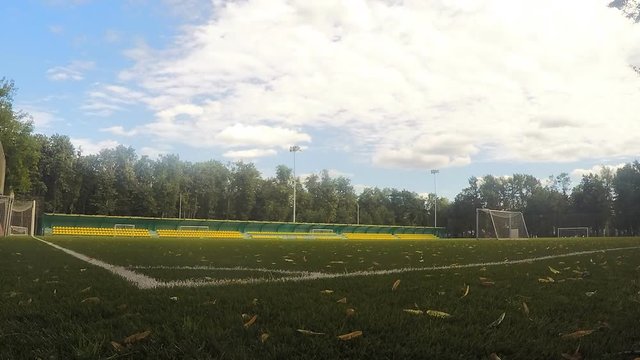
498	321
395	285
91	300
590	293
255	302
326	292
413	311
350	336
350	312
438	314
250	322
525	308
85	289
342	301
545	280
577	334
487	283
494	356
131	339
309	332
116	346
264	337
554	270
466	292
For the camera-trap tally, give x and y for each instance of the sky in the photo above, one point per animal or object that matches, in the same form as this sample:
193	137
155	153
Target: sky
379	91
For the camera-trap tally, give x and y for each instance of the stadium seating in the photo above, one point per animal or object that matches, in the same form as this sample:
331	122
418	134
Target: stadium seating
214	234
93	231
367	236
416	236
273	235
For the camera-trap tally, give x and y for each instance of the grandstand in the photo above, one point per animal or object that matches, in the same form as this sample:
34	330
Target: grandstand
93	225
369	236
181	233
95	231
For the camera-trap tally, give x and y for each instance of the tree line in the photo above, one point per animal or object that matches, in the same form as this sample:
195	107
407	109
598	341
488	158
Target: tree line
120	182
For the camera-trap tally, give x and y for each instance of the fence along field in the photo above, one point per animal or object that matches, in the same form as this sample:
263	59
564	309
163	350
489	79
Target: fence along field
381	291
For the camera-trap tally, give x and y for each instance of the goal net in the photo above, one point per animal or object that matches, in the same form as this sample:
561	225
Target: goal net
124	226
22	218
580	231
500	224
5	214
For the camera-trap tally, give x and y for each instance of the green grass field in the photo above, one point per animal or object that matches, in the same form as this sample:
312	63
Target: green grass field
56	306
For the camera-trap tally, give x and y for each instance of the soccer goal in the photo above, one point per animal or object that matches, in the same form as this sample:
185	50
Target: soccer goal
500	224
22	218
124	226
579	231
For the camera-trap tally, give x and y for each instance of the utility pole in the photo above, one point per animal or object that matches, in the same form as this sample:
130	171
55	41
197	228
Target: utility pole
435	193
294	149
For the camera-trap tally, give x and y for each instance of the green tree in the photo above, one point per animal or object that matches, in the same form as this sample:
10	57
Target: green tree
58	173
243	188
591	203
20	146
626	185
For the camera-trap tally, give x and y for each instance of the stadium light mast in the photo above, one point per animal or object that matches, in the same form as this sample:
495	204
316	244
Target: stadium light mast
358	212
294	149
435	172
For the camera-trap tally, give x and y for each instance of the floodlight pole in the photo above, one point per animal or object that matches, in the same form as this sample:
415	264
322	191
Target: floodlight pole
294	149
435	193
358	212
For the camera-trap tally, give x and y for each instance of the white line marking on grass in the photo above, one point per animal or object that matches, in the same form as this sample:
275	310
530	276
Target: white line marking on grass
146	282
139	280
215	268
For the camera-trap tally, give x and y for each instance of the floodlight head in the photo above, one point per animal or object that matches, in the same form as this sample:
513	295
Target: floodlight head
294	148
435	171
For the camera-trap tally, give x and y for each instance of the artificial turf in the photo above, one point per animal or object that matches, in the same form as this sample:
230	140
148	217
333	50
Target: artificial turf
54	306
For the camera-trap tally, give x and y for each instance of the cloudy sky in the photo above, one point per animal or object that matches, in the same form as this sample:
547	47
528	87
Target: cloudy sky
381	91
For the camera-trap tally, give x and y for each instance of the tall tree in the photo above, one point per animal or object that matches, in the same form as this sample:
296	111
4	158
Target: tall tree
57	170
591	203
626	185
20	146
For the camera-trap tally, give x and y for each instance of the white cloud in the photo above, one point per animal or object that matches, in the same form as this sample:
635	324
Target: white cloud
73	71
90	147
189	9
596	169
42	119
249	154
119	130
261	135
412	83
56	29
334	173
112	36
153	152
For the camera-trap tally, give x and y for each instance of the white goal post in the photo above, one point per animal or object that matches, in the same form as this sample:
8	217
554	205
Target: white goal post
500	224
576	231
124	226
